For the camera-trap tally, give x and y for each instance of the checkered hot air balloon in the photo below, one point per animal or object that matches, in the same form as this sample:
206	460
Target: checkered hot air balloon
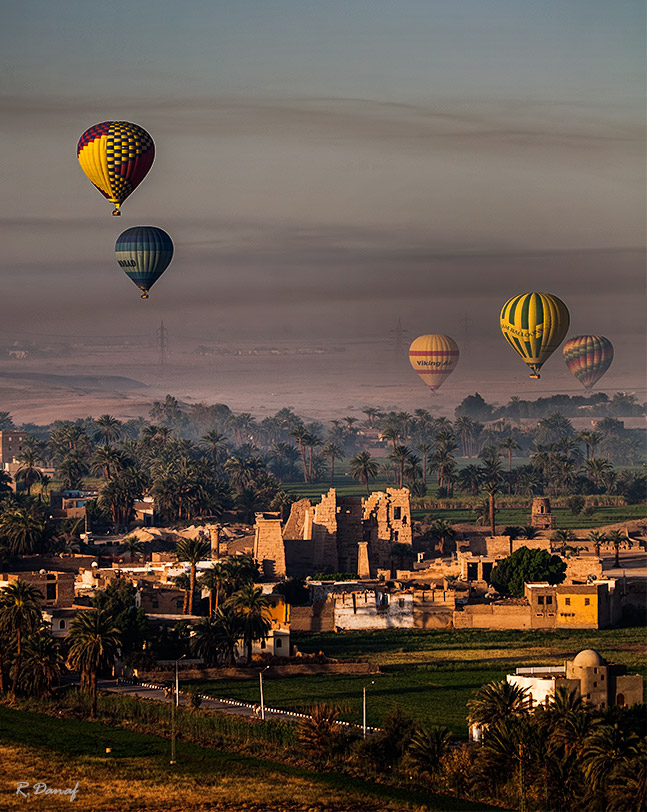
116	157
144	253
588	358
534	325
434	358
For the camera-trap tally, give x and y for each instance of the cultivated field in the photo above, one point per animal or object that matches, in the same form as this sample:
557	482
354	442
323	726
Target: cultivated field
431	674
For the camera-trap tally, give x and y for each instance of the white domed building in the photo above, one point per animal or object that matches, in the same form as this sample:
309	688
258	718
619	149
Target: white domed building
598	682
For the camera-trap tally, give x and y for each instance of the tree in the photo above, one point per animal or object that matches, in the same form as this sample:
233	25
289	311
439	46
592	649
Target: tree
399	457
497	701
93	642
108	428
320	735
215	638
509	444
597	537
20	615
617	537
254	609
491	487
334	452
363	467
133	546
42	663
300	434
29	472
23	528
526	566
428	746
213	579
193	551
442	530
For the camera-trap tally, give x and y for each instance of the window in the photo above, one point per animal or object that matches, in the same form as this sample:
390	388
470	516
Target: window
155	604
397	513
595	685
278	642
587	601
263	644
549	599
540	600
61	624
51	592
396	535
567	601
401	602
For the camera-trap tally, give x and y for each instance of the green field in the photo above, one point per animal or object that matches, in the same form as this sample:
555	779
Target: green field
431	674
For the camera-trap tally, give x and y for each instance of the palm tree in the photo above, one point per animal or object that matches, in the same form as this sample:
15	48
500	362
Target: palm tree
183	582
334	452
42	664
509	444
133	546
300	434
428	746
425	449
20	615
597	468
616	537
23	529
192	551
213	579
597	537
217	442
491	487
442	530
400	455
529	532
391	434
603	752
29	472
108	428
497	701
216	638
107	460
253	606
590	439
93	642
363	467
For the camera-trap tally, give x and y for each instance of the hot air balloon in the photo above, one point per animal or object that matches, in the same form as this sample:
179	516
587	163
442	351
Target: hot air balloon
116	157
588	358
434	358
534	324
144	253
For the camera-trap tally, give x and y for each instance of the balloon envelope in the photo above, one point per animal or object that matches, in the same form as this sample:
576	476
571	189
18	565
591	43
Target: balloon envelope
588	358
434	358
534	324
116	157
144	253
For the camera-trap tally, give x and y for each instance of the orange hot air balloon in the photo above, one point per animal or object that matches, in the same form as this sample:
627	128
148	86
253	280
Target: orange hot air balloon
434	358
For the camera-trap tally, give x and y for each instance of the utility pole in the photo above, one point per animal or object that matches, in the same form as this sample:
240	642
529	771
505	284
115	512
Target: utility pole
398	339
162	343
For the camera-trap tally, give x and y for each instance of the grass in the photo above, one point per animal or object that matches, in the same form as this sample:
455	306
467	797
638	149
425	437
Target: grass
431	674
137	775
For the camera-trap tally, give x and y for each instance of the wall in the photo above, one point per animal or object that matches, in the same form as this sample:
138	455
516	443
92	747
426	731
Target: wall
320	617
373	610
268	546
492	616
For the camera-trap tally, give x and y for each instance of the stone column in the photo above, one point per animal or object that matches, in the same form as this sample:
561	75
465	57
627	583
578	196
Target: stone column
363	568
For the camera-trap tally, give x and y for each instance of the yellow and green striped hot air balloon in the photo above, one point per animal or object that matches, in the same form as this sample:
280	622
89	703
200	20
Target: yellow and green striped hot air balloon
433	357
534	324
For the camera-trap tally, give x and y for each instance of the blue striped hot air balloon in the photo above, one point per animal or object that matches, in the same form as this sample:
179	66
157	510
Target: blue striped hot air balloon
144	253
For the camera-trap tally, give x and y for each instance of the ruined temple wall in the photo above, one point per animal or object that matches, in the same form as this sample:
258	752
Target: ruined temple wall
299	557
297	524
324	533
269	550
350	531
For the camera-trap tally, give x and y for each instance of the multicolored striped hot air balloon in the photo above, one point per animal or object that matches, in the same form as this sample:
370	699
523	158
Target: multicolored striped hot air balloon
116	157
434	358
534	324
588	358
144	253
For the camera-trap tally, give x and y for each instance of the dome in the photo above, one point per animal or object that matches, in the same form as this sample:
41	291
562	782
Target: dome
589	658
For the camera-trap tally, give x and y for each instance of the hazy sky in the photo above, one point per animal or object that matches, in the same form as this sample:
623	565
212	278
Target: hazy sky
328	167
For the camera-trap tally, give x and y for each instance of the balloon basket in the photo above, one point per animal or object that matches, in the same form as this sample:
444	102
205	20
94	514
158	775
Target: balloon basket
116	213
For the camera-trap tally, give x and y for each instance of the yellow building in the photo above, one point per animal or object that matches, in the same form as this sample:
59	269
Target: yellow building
593	605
